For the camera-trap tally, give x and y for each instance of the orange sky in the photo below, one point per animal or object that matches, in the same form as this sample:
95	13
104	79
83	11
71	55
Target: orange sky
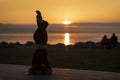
56	11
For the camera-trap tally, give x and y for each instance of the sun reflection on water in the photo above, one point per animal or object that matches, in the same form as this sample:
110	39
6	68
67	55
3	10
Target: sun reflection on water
67	39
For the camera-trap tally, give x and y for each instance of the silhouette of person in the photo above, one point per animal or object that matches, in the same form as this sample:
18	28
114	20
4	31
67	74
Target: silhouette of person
105	42
114	39
40	63
40	35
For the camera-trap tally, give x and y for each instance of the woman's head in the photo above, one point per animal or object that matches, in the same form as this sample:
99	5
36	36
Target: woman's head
105	36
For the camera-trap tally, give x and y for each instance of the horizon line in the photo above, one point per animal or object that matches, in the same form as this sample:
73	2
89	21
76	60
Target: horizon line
62	23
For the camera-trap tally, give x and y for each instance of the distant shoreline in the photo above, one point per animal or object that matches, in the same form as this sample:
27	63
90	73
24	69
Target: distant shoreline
30	44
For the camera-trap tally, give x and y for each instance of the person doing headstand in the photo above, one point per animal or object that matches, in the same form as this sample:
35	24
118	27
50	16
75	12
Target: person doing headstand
40	63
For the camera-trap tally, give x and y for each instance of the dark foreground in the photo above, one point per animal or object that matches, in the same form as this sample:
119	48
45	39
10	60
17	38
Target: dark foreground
20	73
75	58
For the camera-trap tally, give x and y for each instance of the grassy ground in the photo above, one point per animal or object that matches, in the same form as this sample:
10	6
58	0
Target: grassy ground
77	58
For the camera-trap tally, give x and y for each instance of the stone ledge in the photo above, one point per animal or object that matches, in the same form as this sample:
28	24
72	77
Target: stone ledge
19	72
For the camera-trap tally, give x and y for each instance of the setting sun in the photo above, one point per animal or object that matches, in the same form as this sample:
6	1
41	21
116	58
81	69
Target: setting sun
67	22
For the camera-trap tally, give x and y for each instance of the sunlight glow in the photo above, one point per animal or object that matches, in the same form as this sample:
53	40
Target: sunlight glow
67	39
66	22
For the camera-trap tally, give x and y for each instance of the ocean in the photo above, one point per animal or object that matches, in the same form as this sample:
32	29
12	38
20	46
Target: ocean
77	32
